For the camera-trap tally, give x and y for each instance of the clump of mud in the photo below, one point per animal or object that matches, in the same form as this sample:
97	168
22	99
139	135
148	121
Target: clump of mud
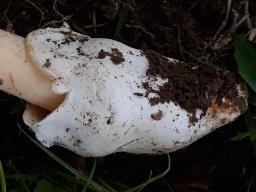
190	85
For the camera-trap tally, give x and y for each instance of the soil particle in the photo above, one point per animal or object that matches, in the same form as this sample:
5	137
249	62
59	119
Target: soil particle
240	103
1	81
193	119
190	85
69	37
116	56
47	63
157	116
138	94
80	51
77	142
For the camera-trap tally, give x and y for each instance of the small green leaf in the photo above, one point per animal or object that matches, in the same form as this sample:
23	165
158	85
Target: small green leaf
245	56
252	100
250	124
240	136
251	127
46	186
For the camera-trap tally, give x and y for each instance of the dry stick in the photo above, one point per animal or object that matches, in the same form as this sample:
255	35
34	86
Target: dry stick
224	23
246	11
55	9
5	16
63	18
193	5
19	77
179	41
38	9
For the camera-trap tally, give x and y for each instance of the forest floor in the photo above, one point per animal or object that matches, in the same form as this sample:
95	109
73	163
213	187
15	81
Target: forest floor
189	30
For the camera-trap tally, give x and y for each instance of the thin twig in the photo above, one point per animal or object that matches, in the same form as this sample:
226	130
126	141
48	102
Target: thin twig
66	18
63	18
141	28
5	16
224	23
179	41
55	9
193	5
242	20
246	11
94	22
39	10
95	25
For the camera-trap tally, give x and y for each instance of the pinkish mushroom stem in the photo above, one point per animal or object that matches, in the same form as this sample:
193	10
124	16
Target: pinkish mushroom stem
20	78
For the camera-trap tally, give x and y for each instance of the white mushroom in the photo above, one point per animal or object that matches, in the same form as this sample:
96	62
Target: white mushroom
114	100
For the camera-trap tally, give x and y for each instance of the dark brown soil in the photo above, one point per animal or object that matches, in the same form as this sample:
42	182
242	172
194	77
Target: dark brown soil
47	63
157	116
116	56
181	29
190	85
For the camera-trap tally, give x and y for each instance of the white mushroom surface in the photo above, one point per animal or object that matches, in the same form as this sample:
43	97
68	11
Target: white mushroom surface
109	105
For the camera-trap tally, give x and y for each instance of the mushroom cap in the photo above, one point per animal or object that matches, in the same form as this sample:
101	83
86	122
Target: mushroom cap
107	108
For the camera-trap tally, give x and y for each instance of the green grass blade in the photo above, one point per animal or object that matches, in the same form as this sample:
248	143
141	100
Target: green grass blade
20	180
21	177
240	136
123	18
2	178
106	185
151	180
245	56
93	185
90	176
167	184
46	186
18	190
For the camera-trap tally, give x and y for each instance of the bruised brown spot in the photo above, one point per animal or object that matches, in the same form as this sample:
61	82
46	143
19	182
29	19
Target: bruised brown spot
47	63
157	116
1	81
229	106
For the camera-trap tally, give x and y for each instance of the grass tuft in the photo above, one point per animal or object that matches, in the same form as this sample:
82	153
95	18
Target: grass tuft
123	18
2	178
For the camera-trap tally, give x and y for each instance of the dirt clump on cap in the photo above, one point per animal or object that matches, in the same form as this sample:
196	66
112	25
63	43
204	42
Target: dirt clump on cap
116	56
190	85
47	63
157	116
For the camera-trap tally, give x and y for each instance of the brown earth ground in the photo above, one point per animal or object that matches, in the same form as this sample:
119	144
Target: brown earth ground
182	29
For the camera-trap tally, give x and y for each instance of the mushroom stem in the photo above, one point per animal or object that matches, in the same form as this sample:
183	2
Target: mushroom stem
20	78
